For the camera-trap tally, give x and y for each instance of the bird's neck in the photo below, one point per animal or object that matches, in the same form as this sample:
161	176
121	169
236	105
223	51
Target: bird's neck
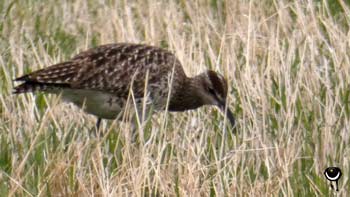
186	97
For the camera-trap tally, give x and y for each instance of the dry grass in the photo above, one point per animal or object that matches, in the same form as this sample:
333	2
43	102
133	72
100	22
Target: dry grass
288	66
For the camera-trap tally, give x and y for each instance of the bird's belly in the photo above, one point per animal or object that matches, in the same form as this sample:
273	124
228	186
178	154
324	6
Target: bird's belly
103	105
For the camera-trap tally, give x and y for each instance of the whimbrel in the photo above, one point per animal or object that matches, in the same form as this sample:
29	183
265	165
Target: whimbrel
100	79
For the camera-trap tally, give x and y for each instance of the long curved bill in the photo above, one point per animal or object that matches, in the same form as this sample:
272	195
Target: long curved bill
228	114
230	117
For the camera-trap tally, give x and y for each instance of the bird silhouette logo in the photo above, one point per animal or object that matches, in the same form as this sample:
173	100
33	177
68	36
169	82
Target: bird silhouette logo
333	174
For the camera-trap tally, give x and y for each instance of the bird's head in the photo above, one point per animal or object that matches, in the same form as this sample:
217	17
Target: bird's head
213	91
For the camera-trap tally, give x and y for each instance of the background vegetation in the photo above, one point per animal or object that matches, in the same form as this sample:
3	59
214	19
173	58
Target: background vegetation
288	66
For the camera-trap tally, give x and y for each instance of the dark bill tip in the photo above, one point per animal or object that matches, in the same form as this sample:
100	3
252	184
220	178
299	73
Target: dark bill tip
229	115
231	118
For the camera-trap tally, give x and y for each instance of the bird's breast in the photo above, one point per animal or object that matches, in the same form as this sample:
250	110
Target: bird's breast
109	106
101	104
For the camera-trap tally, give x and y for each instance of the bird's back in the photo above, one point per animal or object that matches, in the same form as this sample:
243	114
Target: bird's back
112	69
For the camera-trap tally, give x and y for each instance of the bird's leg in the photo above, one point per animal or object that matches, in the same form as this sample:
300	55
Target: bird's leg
98	123
134	131
97	127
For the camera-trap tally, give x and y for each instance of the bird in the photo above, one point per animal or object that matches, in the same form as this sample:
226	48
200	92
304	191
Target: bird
99	80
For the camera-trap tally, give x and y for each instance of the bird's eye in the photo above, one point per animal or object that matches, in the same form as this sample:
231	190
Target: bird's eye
211	91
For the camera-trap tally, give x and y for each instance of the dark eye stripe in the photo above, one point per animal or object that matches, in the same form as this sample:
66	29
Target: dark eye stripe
211	91
218	84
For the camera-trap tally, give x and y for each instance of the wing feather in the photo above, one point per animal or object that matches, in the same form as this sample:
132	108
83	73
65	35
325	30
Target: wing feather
109	68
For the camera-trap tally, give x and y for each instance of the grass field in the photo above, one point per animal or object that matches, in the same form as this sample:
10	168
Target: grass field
288	67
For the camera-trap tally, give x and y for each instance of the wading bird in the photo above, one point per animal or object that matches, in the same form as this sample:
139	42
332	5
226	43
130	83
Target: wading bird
100	80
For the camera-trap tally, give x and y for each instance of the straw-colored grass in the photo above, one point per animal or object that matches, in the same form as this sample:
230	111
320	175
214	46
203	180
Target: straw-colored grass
288	67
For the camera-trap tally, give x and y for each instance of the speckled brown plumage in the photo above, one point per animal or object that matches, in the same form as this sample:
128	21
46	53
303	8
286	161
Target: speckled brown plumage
102	77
